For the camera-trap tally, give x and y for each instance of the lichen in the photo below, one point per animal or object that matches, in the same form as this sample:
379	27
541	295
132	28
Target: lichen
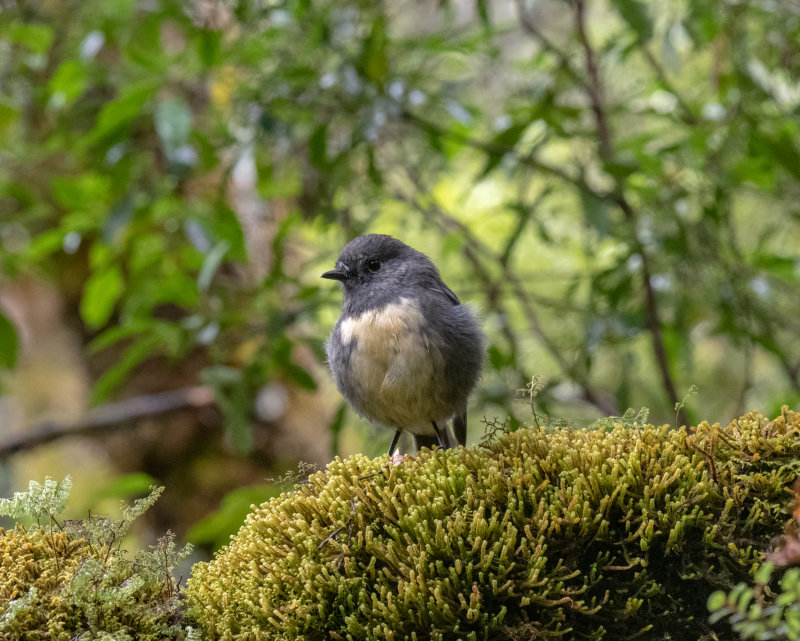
583	534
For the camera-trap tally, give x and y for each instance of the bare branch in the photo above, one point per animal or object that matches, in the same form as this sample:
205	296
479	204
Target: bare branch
110	416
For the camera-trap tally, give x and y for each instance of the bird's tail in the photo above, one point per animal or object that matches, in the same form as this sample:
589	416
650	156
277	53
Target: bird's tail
454	438
460	427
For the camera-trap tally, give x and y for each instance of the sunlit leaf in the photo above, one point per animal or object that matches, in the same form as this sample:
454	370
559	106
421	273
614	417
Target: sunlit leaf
318	146
375	57
635	13
36	37
9	342
118	114
100	295
68	83
211	264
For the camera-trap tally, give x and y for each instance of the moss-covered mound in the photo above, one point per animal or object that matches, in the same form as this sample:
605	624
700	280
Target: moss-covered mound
574	534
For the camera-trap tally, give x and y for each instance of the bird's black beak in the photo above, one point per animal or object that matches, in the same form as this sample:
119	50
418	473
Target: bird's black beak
341	273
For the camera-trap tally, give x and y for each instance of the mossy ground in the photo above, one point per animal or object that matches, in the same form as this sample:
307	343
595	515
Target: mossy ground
575	534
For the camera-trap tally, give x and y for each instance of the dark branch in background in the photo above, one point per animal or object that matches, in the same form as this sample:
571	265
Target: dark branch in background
111	416
594	89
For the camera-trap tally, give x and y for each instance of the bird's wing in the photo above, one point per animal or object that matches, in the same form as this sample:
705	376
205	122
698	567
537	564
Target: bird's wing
438	286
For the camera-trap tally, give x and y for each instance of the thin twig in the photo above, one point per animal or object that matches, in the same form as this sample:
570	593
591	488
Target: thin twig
688	115
530	27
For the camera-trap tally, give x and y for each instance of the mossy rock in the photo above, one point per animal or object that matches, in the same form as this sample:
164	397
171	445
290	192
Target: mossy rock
578	534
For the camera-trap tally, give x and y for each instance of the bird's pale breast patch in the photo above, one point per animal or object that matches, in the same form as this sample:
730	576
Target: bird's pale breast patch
393	366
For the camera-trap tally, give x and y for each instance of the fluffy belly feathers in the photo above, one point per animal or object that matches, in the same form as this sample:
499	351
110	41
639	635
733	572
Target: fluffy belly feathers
394	369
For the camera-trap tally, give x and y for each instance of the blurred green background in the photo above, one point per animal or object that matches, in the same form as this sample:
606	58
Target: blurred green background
614	185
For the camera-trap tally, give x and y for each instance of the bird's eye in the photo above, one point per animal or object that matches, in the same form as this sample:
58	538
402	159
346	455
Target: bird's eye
373	265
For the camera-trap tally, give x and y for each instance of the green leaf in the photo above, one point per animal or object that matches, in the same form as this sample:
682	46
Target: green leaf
173	122
217	527
375	58
211	263
596	213
117	115
505	141
82	192
318	146
716	600
335	428
8	115
140	350
299	375
208	46
100	295
499	359
115	334
68	83
784	148
483	12
9	343
635	14
764	572
372	168
621	168
36	37
124	486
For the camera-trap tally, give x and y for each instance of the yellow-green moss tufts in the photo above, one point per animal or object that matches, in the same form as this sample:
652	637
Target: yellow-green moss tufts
73	581
592	534
34	567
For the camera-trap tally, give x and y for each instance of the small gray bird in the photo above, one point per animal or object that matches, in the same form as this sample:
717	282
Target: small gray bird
405	353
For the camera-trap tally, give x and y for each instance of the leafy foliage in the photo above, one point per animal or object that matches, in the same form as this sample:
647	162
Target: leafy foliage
74	581
42	500
587	533
751	618
762	611
618	193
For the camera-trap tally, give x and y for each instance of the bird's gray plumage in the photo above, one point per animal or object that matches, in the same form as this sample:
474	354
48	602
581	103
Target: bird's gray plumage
405	352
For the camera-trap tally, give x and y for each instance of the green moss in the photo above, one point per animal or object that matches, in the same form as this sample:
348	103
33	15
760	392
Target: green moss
576	533
73	581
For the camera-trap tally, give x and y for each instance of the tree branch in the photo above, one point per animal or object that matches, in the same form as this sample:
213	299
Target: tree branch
594	89
110	416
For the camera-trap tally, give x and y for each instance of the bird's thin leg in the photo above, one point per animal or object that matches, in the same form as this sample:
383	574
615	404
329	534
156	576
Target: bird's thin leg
394	442
442	442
